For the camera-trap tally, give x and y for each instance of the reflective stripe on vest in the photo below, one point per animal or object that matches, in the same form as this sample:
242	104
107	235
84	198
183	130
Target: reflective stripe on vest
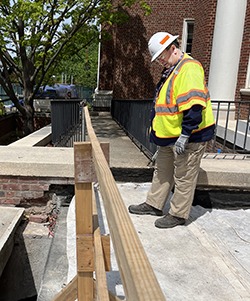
179	94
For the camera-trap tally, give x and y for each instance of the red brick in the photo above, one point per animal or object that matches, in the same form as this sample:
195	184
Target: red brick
39	187
11	187
24	187
10	201
25	194
4	180
13	180
37	218
10	193
28	180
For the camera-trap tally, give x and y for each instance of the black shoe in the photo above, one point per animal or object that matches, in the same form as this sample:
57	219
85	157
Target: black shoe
169	221
144	208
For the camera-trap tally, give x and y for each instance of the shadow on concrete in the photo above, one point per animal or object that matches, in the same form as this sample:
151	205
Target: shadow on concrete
17	282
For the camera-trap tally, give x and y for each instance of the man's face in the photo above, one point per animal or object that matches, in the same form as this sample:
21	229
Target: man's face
165	58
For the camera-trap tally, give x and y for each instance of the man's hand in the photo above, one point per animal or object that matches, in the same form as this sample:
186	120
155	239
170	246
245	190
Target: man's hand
180	144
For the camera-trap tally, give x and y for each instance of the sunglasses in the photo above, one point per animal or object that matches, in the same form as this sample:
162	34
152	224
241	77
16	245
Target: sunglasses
161	57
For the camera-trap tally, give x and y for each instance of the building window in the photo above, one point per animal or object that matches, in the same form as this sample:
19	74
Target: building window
187	35
247	86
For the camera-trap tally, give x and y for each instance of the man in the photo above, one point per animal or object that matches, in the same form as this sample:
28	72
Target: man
181	124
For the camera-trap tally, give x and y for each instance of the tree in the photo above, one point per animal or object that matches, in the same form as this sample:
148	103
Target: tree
82	66
36	35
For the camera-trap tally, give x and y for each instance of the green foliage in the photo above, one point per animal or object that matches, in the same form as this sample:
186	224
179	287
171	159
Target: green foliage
38	37
83	66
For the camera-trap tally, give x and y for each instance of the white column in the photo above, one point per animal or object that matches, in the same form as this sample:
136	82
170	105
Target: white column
227	41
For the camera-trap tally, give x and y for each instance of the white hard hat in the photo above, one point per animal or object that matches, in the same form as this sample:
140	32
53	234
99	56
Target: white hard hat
158	42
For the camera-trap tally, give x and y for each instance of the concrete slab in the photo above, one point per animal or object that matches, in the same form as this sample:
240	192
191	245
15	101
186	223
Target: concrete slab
126	160
207	259
23	273
37	161
38	138
9	221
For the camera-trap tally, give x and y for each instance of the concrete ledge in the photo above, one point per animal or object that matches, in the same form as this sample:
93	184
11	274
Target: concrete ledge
37	161
225	171
228	171
10	219
232	172
39	138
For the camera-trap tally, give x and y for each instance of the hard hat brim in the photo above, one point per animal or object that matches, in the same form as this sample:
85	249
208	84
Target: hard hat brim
164	46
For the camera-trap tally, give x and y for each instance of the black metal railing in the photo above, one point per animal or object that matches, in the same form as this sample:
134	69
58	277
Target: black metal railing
66	122
231	135
231	118
133	116
232	127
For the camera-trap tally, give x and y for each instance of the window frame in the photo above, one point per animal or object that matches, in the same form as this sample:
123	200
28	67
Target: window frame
186	22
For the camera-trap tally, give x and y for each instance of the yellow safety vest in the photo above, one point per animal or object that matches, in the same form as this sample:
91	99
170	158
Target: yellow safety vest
184	88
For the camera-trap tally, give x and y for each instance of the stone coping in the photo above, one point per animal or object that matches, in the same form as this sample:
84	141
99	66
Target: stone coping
10	219
24	158
39	138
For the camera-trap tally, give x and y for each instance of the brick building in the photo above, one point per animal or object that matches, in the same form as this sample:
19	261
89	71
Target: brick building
217	33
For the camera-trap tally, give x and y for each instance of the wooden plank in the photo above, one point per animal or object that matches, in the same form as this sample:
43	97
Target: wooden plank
137	275
101	280
68	293
105	239
84	224
83	165
85	254
106	250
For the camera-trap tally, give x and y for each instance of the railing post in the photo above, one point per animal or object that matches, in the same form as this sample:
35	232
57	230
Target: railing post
84	222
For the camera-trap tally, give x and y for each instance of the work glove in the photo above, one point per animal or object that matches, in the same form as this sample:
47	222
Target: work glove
180	144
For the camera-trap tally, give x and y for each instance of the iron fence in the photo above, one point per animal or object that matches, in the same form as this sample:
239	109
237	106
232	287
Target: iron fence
231	118
66	122
133	116
232	127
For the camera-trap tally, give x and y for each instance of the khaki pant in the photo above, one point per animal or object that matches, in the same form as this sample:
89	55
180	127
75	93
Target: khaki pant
181	170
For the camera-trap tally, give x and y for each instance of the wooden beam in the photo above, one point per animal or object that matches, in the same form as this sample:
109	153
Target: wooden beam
69	292
83	165
83	162
101	280
83	199
85	254
106	250
84	223
137	275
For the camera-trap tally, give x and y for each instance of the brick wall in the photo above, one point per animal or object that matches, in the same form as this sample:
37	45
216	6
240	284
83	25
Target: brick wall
125	61
21	190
